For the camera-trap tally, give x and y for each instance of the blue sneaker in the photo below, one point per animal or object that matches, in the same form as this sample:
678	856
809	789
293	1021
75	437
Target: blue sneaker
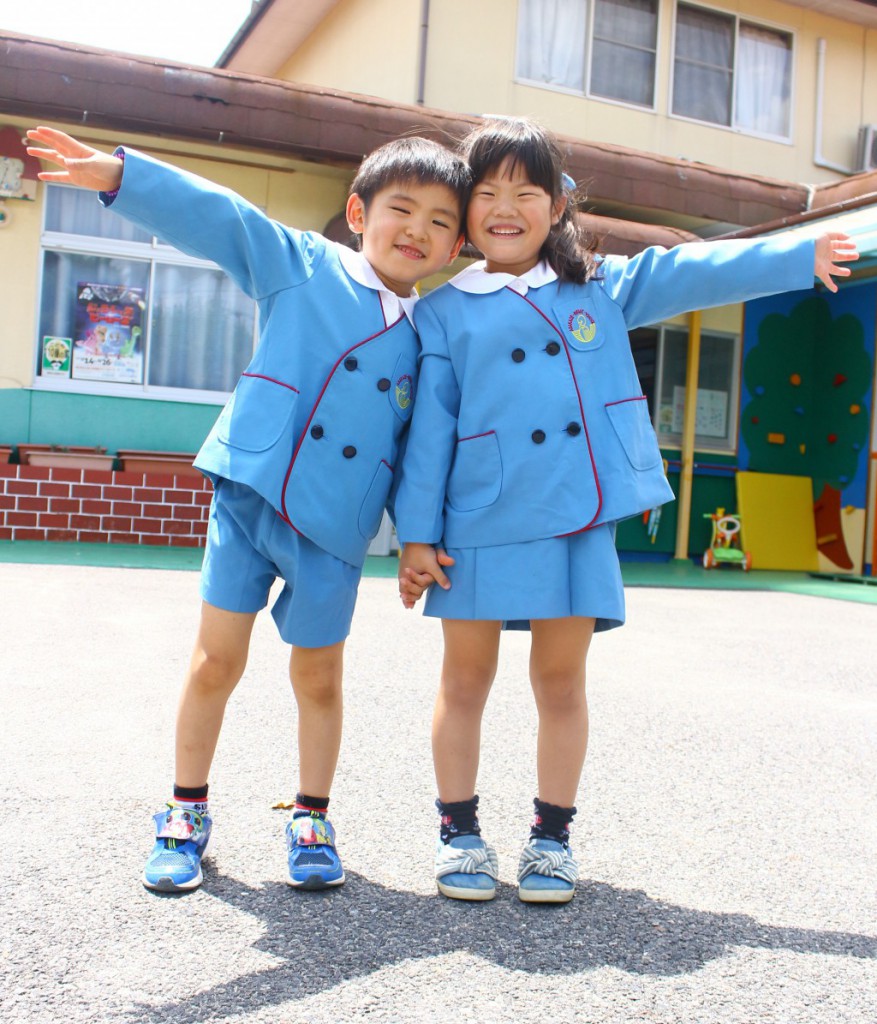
313	860
547	872
466	868
181	843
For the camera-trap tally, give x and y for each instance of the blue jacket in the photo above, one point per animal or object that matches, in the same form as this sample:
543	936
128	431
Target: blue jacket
530	419
315	422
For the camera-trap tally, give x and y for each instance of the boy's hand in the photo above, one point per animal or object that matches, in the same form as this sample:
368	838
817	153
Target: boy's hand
81	165
832	248
419	567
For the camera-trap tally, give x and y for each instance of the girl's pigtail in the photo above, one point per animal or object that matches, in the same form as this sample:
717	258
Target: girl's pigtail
570	248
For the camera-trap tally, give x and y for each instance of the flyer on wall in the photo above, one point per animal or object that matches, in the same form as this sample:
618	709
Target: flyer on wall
108	326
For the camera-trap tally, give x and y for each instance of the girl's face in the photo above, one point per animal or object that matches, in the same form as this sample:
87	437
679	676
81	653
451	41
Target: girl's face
509	219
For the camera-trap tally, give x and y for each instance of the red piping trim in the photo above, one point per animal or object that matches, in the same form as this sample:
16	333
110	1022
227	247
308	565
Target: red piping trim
273	380
304	432
621	401
472	437
387	464
553	327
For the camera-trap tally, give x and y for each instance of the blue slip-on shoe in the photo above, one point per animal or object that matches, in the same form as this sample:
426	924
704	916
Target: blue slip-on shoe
547	872
466	868
312	858
181	842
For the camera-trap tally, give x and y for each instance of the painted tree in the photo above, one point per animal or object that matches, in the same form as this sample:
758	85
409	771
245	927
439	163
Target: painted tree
809	376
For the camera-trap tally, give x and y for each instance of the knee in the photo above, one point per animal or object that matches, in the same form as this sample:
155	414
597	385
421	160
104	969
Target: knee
558	691
317	680
467	687
217	670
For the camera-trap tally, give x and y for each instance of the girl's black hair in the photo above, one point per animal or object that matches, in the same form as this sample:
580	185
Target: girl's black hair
569	247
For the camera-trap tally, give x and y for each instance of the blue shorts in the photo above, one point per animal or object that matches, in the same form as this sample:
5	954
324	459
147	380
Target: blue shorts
539	579
249	546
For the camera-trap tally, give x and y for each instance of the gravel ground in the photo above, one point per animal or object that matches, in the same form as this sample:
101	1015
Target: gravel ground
727	827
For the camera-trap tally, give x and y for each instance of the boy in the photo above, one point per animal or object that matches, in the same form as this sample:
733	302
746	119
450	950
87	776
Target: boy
302	456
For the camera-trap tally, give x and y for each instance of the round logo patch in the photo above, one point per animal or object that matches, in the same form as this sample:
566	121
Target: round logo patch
404	391
582	327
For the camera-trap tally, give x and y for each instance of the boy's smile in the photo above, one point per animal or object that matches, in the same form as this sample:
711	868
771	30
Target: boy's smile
409	231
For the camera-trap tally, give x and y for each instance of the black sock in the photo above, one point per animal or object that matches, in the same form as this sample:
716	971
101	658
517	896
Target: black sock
310	805
551	822
458	819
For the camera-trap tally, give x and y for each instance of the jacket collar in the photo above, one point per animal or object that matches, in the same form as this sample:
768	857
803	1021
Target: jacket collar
475	279
358	267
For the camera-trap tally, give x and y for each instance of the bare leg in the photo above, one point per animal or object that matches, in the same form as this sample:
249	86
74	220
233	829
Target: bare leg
217	664
316	674
557	675
471	651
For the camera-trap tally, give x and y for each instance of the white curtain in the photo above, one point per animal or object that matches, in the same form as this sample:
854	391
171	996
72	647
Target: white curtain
763	80
551	42
702	73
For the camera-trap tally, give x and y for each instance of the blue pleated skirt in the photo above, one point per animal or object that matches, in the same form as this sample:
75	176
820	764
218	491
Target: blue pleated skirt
540	579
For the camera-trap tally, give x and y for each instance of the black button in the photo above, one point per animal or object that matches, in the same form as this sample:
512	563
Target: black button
552	348
349	452
383	384
519	355
573	428
351	363
538	436
316	432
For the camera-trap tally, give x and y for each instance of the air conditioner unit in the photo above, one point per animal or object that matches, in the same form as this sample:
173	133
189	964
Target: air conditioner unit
867	148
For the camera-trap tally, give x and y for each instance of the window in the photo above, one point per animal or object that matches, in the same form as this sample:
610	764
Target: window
661	357
615	53
732	72
121	312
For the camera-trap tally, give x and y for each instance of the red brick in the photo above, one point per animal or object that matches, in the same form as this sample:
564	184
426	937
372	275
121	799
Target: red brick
21	487
147	494
175	526
124	538
117	524
179	497
155	539
53	490
21	519
157	511
128	479
64	505
97	508
7	469
93	537
147	525
34	472
127	508
5	533
54	522
85	522
186	512
119	493
32	504
73	475
86	491
19	534
7	501
199	529
188	482
203	497
97	476
159	480
186	542
60	535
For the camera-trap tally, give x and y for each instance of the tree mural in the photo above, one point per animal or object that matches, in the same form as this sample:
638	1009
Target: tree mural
809	376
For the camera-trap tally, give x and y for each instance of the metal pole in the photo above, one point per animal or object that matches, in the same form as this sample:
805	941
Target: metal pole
686	469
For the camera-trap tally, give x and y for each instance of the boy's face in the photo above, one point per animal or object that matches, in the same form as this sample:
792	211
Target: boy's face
409	231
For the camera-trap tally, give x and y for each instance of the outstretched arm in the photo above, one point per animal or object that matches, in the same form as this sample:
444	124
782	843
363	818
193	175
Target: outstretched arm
80	164
831	249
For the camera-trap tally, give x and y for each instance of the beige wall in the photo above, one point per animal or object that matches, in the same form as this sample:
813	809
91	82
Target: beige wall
470	68
302	195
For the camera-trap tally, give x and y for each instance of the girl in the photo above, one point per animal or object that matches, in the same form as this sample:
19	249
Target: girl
530	438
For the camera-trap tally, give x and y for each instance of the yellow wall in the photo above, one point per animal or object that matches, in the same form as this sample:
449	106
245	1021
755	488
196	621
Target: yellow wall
470	69
302	195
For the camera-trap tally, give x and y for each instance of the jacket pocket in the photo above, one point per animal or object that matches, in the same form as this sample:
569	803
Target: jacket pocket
372	509
476	475
630	421
258	414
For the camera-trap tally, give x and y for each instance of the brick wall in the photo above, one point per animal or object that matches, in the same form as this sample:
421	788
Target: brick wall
103	507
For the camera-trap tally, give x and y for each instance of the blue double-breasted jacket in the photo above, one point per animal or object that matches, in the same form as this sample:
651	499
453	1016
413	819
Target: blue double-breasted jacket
530	420
315	422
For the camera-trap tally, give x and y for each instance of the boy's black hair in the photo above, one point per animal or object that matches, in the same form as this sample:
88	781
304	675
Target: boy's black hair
569	247
413	159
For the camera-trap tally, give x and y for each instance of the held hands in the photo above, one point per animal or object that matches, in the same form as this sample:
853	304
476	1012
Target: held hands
419	567
81	165
832	248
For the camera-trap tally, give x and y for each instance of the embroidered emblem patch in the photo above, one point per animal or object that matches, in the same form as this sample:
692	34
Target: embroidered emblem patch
582	327
404	391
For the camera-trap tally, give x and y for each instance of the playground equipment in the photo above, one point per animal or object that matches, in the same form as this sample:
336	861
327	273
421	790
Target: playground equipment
725	542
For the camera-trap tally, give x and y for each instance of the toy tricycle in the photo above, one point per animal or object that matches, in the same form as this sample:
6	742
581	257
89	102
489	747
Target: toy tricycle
725	542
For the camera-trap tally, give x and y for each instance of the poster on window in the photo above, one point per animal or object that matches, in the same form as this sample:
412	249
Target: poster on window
56	357
108	339
711	417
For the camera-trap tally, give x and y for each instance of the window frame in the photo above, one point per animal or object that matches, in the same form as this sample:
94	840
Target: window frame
738	19
153	254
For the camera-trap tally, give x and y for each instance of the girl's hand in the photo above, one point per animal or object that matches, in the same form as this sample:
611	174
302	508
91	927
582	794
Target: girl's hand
419	567
81	165
832	248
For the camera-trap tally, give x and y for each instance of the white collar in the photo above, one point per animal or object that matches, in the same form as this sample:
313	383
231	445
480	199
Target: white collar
358	267
475	279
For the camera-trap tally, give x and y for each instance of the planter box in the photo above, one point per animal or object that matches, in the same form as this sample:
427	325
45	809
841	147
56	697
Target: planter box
88	459
132	461
5	452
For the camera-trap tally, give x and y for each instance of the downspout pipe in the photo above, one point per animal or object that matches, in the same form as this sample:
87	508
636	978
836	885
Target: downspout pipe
421	59
818	159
